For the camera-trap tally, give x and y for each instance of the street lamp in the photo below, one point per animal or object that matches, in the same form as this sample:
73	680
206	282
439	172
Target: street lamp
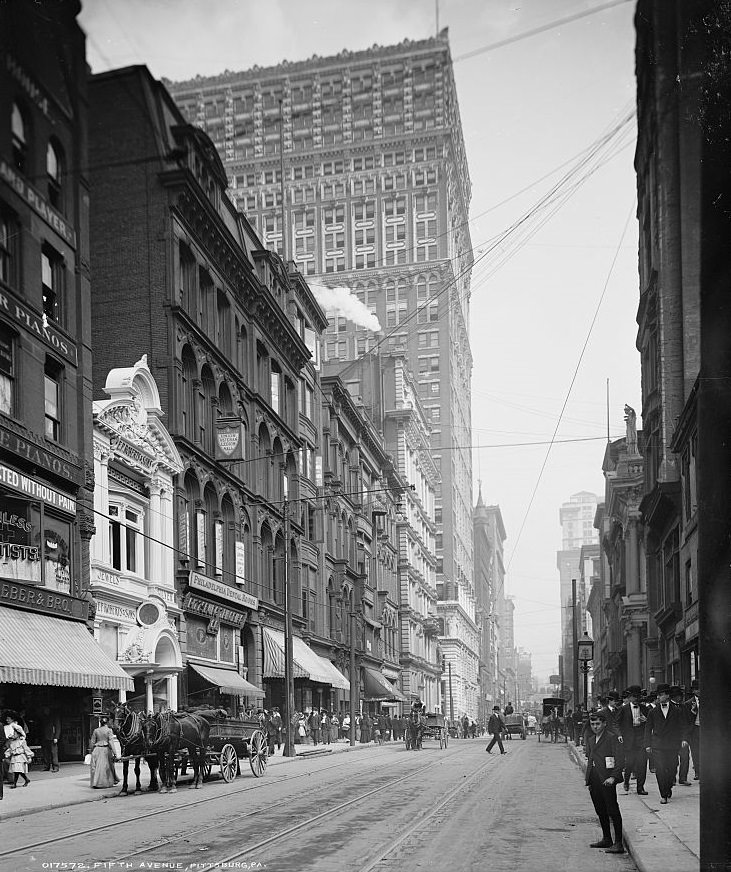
584	656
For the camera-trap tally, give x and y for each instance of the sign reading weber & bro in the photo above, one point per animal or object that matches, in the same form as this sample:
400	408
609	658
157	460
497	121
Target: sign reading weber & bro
224	591
41	599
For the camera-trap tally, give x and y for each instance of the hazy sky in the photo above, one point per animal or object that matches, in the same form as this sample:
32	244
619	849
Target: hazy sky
528	109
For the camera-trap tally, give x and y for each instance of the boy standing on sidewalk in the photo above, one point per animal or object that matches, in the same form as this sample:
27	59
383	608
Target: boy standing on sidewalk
603	773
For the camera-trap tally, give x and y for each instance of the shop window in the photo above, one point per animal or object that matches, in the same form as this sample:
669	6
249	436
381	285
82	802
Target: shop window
9	248
52	278
54	172
53	396
7	370
20	524
56	553
19	134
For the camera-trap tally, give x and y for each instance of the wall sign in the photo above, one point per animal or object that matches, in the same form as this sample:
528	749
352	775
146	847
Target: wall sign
229	439
217	588
37	490
39	599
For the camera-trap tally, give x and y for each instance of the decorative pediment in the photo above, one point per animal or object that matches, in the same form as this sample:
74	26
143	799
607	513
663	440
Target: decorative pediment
131	418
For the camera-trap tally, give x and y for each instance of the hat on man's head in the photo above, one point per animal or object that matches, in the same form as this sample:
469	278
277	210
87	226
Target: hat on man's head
634	690
675	690
694	684
496	708
598	715
612	694
662	688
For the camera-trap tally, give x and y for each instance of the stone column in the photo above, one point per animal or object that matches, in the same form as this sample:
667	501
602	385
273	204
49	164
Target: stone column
154	572
100	544
148	694
634	655
633	566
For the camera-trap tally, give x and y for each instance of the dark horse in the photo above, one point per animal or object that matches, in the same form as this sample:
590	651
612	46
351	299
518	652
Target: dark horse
166	733
414	731
555	724
127	726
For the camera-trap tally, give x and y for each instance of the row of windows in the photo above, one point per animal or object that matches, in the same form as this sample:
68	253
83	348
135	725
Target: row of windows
25	157
52	268
11	391
356	164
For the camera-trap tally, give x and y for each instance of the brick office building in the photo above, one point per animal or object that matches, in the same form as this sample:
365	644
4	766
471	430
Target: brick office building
48	659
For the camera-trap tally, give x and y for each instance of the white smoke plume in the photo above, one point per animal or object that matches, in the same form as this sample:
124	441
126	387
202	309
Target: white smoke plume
342	301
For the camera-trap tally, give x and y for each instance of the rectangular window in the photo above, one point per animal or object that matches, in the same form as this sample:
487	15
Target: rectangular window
130	538
52	380
9	249
52	278
276	378
7	370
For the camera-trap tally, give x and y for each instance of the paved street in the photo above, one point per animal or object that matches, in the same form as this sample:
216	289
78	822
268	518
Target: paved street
365	810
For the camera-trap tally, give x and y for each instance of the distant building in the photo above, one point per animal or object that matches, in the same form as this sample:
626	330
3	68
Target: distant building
577	529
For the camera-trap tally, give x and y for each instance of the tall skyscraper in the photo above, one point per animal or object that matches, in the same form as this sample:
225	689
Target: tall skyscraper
360	160
577	529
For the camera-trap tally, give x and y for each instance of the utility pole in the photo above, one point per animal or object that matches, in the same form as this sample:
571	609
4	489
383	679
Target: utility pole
353	672
560	672
288	656
451	698
575	641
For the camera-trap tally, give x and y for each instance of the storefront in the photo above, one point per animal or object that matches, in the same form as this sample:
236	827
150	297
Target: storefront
50	665
317	682
379	692
215	617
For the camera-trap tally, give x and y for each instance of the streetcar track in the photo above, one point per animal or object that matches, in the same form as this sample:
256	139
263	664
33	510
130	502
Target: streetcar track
111	825
159	811
337	810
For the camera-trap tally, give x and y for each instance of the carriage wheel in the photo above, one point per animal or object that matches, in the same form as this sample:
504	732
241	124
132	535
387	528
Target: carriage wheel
258	754
229	762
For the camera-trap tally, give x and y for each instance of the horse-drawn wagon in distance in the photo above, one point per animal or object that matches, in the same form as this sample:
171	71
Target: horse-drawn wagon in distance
421	724
515	726
553	721
436	728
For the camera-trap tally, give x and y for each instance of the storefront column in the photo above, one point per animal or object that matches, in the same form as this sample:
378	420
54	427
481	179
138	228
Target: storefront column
148	695
101	495
168	536
173	693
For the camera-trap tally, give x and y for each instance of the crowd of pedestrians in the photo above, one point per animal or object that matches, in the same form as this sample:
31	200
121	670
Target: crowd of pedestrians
624	736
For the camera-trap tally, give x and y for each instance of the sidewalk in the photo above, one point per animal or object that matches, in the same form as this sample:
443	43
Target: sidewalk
70	786
659	838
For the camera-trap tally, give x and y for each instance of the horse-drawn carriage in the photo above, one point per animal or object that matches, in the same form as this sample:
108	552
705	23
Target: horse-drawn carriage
171	742
231	740
514	726
435	728
553	721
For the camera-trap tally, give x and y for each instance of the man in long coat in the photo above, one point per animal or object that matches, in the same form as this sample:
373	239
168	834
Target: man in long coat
631	727
665	730
603	772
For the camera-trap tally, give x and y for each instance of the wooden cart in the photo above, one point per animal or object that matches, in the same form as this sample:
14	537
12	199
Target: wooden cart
436	728
229	741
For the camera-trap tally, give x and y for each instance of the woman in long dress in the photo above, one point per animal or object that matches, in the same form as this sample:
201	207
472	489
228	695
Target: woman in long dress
17	751
102	772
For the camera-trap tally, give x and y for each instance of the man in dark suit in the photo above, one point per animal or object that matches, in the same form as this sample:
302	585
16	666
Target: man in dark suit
631	728
664	734
496	726
603	773
612	710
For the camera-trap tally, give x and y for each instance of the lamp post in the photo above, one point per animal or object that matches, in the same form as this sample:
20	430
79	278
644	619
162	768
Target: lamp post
584	656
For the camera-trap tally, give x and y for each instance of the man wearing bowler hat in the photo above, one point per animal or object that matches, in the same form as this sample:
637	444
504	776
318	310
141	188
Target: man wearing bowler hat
664	734
631	726
603	773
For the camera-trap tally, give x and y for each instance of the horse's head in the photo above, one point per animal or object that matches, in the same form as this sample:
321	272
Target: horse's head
151	729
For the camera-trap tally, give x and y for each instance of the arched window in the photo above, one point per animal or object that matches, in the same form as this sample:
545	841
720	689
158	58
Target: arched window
331	610
277	471
266	557
213	559
186	279
19	134
207	396
223	323
188	394
54	172
194	546
262	484
278	571
243	356
248	578
229	539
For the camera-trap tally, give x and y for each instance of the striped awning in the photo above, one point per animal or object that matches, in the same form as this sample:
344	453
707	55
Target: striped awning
306	663
228	680
41	649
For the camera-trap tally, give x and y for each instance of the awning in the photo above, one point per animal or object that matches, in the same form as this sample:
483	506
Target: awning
41	649
378	688
228	680
305	663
